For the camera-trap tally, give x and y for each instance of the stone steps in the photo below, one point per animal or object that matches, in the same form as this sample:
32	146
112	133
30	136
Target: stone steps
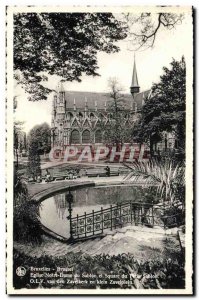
124	240
142	244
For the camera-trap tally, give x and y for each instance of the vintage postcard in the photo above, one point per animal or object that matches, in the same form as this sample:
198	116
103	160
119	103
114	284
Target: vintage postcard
99	150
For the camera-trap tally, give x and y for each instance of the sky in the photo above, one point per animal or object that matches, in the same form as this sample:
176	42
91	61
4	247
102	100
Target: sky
168	44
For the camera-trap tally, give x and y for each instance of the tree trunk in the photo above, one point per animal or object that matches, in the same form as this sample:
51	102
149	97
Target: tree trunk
151	147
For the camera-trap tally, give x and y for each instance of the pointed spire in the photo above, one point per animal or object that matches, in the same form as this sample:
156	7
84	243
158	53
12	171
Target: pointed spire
86	104
74	104
61	87
135	77
134	84
96	105
55	100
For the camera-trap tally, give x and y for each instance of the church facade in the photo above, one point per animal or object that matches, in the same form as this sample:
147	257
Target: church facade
76	116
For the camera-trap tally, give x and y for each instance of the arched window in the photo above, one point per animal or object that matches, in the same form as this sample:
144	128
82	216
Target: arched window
86	137
80	116
65	139
98	136
69	116
92	116
75	137
101	116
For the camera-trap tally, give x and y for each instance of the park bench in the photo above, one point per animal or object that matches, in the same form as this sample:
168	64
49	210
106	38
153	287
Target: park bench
37	180
72	176
61	175
114	172
96	173
102	172
31	180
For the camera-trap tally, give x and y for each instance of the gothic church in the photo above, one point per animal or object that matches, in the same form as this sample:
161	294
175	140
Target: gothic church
76	115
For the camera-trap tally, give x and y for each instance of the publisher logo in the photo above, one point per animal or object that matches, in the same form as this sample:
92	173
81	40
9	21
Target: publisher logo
21	271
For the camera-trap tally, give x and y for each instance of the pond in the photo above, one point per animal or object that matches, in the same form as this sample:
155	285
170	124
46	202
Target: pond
54	210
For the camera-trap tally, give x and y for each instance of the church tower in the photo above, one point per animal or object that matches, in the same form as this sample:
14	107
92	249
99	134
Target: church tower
134	88
58	116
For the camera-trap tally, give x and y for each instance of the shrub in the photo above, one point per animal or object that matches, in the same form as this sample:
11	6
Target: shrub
167	176
169	272
26	223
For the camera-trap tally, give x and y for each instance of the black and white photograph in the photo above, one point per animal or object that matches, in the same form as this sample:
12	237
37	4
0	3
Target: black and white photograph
99	150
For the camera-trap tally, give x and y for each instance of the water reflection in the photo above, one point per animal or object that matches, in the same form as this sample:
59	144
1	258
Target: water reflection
60	204
54	210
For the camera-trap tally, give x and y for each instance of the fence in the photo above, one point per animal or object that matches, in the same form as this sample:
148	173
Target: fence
98	222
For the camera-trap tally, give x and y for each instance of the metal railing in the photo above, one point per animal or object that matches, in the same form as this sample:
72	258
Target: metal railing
135	213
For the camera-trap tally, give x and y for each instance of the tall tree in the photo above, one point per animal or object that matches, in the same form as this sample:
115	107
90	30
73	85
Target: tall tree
164	111
18	135
34	167
41	135
63	44
143	28
66	44
116	132
38	143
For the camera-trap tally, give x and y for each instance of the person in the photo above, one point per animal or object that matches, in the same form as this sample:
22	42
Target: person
39	180
107	171
47	176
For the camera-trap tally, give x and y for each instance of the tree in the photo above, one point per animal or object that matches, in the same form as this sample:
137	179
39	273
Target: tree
18	134
143	28
66	44
38	143
20	190
164	111
41	136
63	44
26	223
116	132
34	168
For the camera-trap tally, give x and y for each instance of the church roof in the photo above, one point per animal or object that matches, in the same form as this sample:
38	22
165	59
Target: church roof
140	98
102	99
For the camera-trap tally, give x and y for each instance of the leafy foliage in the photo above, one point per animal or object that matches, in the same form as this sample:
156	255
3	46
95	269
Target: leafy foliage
18	126
38	143
164	111
40	135
169	178
34	167
63	44
19	142
169	272
20	189
26	224
66	44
